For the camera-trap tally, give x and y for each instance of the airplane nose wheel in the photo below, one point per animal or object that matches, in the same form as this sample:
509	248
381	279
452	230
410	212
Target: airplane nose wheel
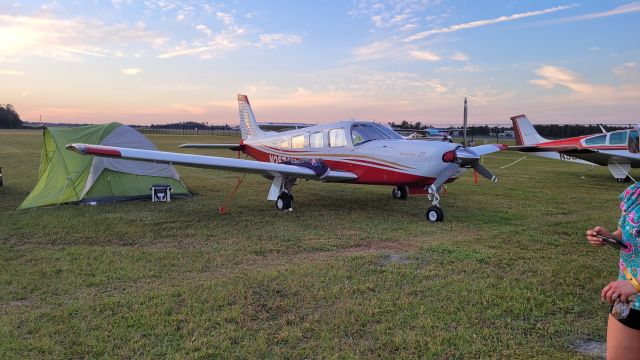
284	201
435	214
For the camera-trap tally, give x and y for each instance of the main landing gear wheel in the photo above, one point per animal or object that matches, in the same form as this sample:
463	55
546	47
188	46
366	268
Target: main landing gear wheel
400	192
435	214
284	201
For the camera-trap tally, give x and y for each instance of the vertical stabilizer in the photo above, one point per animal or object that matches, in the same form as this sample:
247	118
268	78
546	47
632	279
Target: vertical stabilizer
248	125
524	131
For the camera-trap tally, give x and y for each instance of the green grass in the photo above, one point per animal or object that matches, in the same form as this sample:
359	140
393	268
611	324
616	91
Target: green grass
351	273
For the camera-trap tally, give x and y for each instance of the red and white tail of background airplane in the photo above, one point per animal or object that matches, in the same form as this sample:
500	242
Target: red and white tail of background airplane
352	151
608	149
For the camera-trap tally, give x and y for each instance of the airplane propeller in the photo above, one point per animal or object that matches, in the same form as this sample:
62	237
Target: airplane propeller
462	157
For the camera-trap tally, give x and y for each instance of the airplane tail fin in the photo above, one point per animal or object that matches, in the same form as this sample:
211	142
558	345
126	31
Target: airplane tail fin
248	124
524	131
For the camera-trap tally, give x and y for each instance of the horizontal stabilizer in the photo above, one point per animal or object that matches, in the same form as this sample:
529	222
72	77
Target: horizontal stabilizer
234	147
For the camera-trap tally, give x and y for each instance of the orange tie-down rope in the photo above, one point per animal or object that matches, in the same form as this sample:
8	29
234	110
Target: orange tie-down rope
227	201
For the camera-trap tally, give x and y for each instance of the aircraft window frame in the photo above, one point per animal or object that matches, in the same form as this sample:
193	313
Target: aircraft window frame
633	142
622	135
389	131
363	132
596	140
295	145
343	137
285	143
312	143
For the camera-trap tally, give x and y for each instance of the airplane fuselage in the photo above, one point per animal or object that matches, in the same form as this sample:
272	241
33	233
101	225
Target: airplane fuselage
382	159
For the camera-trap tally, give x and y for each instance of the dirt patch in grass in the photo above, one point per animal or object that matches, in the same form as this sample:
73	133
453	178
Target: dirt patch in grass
377	247
597	349
19	303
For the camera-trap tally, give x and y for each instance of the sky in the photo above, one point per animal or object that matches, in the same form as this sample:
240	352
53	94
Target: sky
164	61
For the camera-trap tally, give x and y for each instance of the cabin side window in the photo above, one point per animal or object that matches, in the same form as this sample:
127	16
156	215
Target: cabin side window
618	138
598	140
284	144
315	140
297	142
337	138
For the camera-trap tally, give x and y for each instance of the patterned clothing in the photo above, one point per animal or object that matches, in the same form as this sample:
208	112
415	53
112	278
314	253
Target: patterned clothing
630	225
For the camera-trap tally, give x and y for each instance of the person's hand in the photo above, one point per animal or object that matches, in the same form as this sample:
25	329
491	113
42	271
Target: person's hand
596	241
620	289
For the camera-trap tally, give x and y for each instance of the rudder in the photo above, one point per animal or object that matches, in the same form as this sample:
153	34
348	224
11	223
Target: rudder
524	131
248	124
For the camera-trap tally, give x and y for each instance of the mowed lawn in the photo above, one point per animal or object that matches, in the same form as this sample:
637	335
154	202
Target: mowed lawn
350	273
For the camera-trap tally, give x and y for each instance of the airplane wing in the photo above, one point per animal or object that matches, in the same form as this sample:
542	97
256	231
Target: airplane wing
209	162
234	147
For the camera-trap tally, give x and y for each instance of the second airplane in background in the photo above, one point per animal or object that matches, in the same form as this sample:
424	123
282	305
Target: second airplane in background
606	149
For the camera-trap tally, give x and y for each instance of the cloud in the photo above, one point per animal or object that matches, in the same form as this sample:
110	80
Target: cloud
478	23
212	44
400	14
273	40
627	70
459	57
82	52
623	9
185	51
226	18
376	50
69	40
131	71
552	76
12	72
230	37
424	55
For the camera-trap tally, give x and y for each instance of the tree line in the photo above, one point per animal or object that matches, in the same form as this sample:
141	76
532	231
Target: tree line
191	125
9	118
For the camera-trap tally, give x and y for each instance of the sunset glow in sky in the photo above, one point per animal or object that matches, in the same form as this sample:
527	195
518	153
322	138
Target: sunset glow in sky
161	61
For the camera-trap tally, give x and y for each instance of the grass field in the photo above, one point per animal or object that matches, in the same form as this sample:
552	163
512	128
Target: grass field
351	273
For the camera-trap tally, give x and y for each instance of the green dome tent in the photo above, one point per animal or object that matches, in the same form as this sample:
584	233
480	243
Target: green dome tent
66	177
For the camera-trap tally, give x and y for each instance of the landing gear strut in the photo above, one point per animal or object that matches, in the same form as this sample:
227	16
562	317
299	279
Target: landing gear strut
434	213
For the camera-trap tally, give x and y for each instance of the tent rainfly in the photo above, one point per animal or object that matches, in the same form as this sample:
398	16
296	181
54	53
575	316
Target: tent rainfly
67	177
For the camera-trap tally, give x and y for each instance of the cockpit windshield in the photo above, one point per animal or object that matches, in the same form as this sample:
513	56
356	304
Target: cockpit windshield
365	132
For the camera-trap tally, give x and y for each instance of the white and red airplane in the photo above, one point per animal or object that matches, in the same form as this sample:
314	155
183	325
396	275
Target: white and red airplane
606	149
356	152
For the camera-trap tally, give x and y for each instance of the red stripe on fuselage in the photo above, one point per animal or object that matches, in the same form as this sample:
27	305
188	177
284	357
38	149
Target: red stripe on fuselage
366	174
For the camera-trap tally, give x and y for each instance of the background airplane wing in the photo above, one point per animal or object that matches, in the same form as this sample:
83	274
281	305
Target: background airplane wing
622	156
233	147
539	148
210	162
